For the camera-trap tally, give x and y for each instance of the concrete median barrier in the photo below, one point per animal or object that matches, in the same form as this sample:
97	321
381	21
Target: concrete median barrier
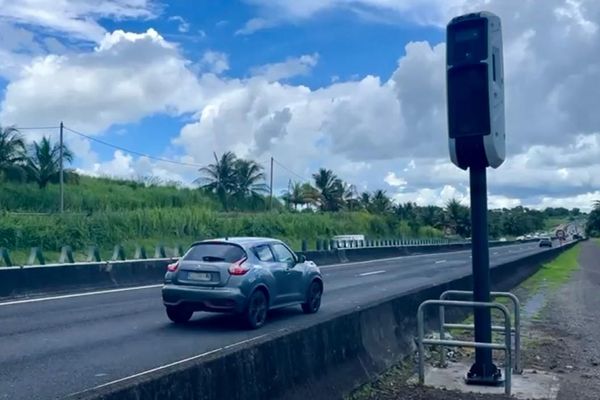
64	278
32	280
322	360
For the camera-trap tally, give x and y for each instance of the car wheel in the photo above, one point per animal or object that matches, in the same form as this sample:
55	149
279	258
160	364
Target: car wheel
256	310
179	314
313	298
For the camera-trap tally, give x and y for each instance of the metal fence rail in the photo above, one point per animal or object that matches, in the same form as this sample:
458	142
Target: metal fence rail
517	367
506	347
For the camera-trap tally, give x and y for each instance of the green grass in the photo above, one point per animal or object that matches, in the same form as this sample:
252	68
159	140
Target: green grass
553	222
553	274
550	276
99	194
172	226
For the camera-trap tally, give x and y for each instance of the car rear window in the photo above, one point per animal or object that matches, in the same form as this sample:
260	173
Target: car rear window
215	252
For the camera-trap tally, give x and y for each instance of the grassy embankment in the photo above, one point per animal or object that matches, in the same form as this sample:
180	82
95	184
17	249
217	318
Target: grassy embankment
105	212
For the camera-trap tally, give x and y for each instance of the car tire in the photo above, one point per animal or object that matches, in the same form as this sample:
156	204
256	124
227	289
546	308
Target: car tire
179	314
313	298
255	314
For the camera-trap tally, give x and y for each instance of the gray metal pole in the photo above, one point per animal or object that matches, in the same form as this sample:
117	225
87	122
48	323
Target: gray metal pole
62	172
271	187
483	372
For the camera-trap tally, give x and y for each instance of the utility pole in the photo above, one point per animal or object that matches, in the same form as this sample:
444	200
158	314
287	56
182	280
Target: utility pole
271	188
290	194
62	172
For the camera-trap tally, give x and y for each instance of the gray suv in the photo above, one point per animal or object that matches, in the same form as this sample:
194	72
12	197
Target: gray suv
245	276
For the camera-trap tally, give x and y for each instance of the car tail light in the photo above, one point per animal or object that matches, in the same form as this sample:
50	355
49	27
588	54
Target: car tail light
173	267
238	268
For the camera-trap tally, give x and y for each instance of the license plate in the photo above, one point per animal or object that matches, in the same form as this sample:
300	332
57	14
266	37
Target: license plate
199	276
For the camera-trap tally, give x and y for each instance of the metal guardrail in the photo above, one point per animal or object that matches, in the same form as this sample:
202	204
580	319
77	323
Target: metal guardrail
506	347
517	367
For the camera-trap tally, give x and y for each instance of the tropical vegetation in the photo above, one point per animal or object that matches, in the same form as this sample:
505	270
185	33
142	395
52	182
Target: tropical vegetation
231	197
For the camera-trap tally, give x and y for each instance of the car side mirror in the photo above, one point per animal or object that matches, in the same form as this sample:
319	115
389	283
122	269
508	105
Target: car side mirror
301	258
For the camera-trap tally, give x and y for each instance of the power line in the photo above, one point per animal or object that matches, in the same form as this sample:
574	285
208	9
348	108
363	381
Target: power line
137	153
31	128
290	171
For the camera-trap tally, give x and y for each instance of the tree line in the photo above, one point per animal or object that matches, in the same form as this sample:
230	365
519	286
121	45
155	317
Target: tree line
593	222
39	162
239	184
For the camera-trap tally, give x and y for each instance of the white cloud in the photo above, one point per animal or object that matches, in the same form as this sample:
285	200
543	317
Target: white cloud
288	68
423	12
371	130
183	26
215	61
252	25
76	18
583	201
126	77
395	181
430	196
124	165
499	201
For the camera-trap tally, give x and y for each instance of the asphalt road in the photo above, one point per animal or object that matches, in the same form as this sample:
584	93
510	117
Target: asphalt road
58	346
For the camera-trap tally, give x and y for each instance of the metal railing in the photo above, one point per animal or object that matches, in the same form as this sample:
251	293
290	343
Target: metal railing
517	367
506	347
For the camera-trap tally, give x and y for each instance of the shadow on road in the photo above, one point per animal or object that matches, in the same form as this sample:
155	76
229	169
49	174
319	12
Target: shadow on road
215	322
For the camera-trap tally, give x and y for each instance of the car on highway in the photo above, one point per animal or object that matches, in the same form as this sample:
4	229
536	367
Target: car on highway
247	276
545	242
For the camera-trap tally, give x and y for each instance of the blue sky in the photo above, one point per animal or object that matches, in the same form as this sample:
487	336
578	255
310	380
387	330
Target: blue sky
369	48
357	86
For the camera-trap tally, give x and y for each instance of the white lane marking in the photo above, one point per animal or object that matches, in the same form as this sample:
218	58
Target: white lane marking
371	273
69	296
351	264
495	253
440	261
173	363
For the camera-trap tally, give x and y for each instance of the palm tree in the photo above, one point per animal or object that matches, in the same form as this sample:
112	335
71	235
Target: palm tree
12	154
295	195
310	194
431	216
407	211
458	217
220	177
43	164
331	190
350	197
365	200
249	179
380	203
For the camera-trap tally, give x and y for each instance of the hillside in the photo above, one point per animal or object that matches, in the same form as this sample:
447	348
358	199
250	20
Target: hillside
105	212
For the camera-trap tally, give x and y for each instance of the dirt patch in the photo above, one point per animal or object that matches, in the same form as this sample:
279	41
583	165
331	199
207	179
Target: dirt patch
392	386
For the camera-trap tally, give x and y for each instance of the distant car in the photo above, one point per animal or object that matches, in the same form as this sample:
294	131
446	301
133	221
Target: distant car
244	276
545	242
503	239
520	238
